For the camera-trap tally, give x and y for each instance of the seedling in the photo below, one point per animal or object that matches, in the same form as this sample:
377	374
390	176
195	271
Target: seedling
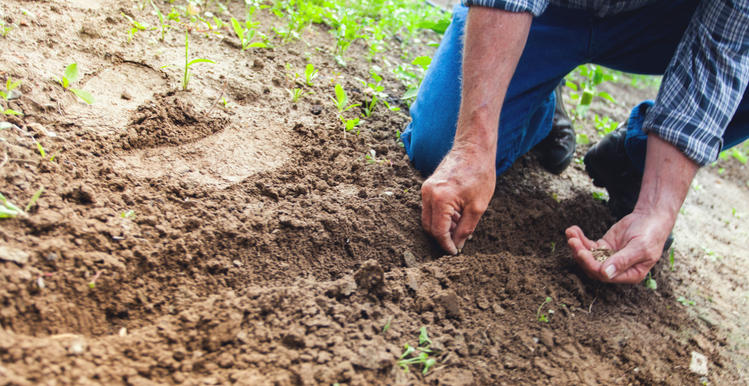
650	282
43	152
398	138
671	259
5	29
387	325
9	210
341	103
422	358
553	247
605	125
423	62
136	26
592	77
92	283
309	74
372	158
601	196
685	302
735	213
582	139
34	198
391	108
71	76
130	214
542	317
12	112
162	23
9	86
246	34
297	94
377	92
188	64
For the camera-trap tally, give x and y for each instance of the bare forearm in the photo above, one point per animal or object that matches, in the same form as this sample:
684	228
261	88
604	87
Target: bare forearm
494	42
665	184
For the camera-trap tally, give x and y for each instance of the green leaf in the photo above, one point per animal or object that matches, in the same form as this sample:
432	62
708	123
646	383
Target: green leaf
41	150
12	86
582	139
570	85
85	95
340	94
422	61
65	82
424	337
439	27
351	107
34	198
587	97
606	96
71	73
257	45
238	30
12	112
411	93
200	61
427	364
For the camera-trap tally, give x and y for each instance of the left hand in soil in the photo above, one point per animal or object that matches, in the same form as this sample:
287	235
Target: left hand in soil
638	239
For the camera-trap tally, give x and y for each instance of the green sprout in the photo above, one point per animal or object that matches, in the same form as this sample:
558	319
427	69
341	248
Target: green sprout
387	325
600	196
310	73
136	26
685	302
341	103
128	214
735	213
163	25
5	29
9	86
43	152
246	34
377	91
650	282
423	356
297	94
671	259
9	210
34	198
542	317
188	64
553	247
71	76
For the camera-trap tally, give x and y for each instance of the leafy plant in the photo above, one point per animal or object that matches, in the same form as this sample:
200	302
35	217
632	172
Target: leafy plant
685	302
592	76
341	103
372	158
188	64
605	125
9	86
423	356
650	282
377	92
297	94
71	76
387	325
540	316
136	26
246	33
129	214
5	29
8	210
163	25
309	74
600	196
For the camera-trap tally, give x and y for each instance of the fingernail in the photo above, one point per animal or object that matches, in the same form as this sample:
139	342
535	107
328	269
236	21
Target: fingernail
610	271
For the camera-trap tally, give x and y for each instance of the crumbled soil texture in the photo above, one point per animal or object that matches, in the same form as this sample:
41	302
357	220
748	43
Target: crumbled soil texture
264	249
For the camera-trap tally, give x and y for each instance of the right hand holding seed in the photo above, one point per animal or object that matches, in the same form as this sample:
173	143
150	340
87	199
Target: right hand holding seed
456	196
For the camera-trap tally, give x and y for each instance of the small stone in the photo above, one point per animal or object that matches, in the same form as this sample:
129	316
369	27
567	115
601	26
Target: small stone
123	332
450	302
237	263
13	254
126	95
410	260
316	109
78	346
498	309
698	364
258	63
51	256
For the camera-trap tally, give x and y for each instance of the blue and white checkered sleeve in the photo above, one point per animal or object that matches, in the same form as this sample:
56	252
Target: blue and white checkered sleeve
705	81
536	7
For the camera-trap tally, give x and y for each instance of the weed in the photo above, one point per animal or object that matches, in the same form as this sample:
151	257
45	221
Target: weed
422	358
188	64
398	138
671	259
5	29
92	283
130	214
43	152
553	247
9	210
542	317
601	196
650	282
376	90
136	26
309	74
162	24
391	108
297	94
341	103
71	76
246	33
9	86
34	198
685	302
387	325
372	158
582	139
736	214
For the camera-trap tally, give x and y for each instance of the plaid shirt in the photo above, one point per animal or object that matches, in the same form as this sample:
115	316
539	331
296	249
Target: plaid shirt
705	81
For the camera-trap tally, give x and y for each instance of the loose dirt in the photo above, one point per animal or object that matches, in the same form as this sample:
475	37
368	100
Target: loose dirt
602	254
266	250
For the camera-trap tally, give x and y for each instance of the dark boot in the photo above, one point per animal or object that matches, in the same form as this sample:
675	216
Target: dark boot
608	164
555	152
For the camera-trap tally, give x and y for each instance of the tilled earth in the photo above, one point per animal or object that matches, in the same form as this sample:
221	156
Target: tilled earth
263	248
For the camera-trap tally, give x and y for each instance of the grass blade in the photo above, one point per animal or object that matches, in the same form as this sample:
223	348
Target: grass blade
34	198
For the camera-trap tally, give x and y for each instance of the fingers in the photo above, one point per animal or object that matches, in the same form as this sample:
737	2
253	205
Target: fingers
628	266
467	225
442	220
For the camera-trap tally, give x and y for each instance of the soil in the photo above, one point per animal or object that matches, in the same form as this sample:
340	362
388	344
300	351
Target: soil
264	249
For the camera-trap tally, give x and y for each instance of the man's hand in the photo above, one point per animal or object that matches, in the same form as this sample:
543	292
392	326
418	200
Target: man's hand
639	237
456	195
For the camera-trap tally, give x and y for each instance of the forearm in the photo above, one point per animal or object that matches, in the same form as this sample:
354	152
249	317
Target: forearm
494	41
665	184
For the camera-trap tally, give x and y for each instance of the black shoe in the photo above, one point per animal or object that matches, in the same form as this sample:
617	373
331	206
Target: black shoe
555	152
610	167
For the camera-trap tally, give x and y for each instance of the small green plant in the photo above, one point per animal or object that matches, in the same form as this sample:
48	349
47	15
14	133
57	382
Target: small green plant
341	103
540	316
163	25
9	86
8	210
601	196
553	247
650	282
5	29
604	125
685	302
43	152
188	64
71	76
92	283
582	139
130	214
377	92
592	76
423	62
736	214
246	33
387	325
372	159
297	94
423	356
309	74
136	26
671	259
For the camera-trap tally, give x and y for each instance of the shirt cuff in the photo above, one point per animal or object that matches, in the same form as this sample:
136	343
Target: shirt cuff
698	144
535	7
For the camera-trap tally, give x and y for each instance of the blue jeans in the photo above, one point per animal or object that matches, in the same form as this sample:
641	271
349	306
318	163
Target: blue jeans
642	41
